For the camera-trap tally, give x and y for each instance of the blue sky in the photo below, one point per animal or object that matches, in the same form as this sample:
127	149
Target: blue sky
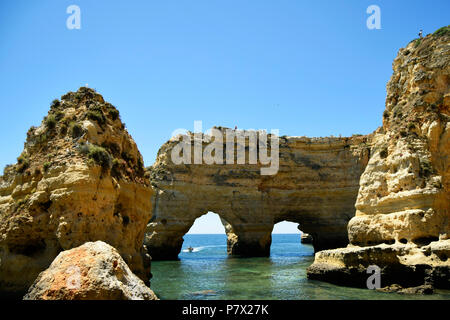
304	67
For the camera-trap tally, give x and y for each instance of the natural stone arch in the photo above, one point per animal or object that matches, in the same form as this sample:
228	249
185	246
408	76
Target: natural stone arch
166	236
316	186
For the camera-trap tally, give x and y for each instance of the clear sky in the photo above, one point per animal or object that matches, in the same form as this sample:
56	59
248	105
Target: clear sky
304	67
210	224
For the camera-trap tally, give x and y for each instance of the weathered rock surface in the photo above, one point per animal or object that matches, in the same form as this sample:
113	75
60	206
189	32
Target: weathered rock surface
406	265
423	289
316	186
93	271
80	178
402	209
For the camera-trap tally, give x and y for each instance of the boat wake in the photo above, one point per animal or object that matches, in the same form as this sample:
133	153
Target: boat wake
194	250
197	249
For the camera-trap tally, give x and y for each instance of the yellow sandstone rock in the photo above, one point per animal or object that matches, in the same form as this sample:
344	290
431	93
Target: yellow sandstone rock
92	271
402	209
80	178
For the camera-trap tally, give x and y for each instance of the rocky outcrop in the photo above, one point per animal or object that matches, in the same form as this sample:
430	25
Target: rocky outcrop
93	271
316	186
405	265
79	178
423	289
402	209
306	238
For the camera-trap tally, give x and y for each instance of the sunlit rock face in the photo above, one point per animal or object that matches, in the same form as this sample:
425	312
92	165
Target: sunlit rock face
316	186
92	271
80	178
402	208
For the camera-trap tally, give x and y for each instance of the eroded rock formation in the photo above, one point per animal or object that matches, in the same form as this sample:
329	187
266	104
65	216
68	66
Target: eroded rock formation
93	271
402	210
79	178
306	238
316	186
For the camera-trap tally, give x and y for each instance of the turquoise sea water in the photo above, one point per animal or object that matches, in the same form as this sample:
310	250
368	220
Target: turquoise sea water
208	273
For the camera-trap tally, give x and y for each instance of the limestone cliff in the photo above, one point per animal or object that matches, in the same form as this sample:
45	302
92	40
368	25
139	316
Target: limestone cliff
316	185
79	178
402	208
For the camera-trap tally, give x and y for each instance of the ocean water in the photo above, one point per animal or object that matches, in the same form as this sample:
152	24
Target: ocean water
208	273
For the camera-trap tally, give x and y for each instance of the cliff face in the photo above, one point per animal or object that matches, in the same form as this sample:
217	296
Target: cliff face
402	208
80	178
316	186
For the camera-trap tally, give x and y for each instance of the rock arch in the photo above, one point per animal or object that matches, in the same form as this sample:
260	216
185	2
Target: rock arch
316	186
166	236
